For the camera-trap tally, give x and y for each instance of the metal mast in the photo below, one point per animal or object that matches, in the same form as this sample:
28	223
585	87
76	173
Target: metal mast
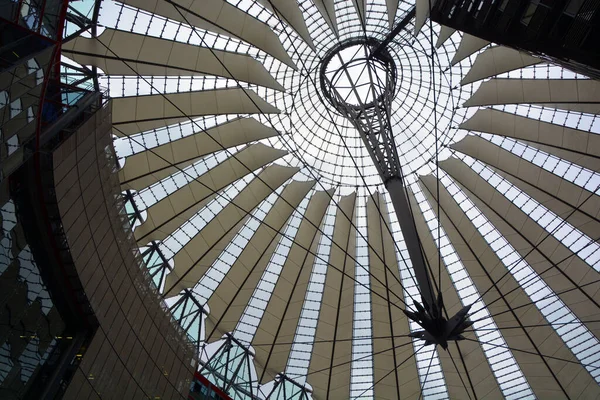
362	90
358	78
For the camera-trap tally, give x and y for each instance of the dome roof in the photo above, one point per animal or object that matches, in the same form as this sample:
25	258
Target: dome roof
266	226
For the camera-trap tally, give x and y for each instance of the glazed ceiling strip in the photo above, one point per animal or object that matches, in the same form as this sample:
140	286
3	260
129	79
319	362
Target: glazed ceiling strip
186	271
592	164
361	10
149	166
533	180
496	60
217	235
582	177
253	311
512	305
361	376
507	378
559	300
456	377
133	114
233	293
336	317
524	233
556	216
564	206
302	348
162	57
577	146
220	17
171	212
387	320
580	95
280	319
222	265
153	194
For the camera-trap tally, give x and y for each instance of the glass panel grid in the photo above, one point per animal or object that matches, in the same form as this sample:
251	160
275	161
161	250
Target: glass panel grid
300	355
182	235
361	375
578	242
248	323
574	173
221	266
558	315
507	372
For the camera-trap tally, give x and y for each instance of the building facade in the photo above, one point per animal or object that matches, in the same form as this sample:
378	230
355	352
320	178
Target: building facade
80	317
565	32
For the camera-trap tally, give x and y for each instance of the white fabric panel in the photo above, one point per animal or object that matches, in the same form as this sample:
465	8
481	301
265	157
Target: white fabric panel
485	269
327	10
289	11
445	33
220	17
160	57
148	167
168	214
535	131
569	94
523	233
421	14
337	311
387	319
187	269
477	366
468	46
280	320
392	8
133	114
506	162
497	60
233	293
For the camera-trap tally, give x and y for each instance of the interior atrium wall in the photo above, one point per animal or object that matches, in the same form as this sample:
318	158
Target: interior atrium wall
137	351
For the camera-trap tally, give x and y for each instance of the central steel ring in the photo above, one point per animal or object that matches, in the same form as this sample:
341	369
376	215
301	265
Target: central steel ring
358	74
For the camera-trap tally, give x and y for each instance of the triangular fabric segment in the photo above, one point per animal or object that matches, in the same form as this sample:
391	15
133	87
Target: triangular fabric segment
497	60
468	46
327	10
445	33
118	52
220	17
289	11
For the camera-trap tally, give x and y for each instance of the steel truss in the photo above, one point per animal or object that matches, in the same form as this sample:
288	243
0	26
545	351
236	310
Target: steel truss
288	389
187	310
231	369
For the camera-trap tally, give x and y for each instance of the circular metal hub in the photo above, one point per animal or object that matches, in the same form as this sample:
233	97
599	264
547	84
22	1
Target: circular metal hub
355	75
